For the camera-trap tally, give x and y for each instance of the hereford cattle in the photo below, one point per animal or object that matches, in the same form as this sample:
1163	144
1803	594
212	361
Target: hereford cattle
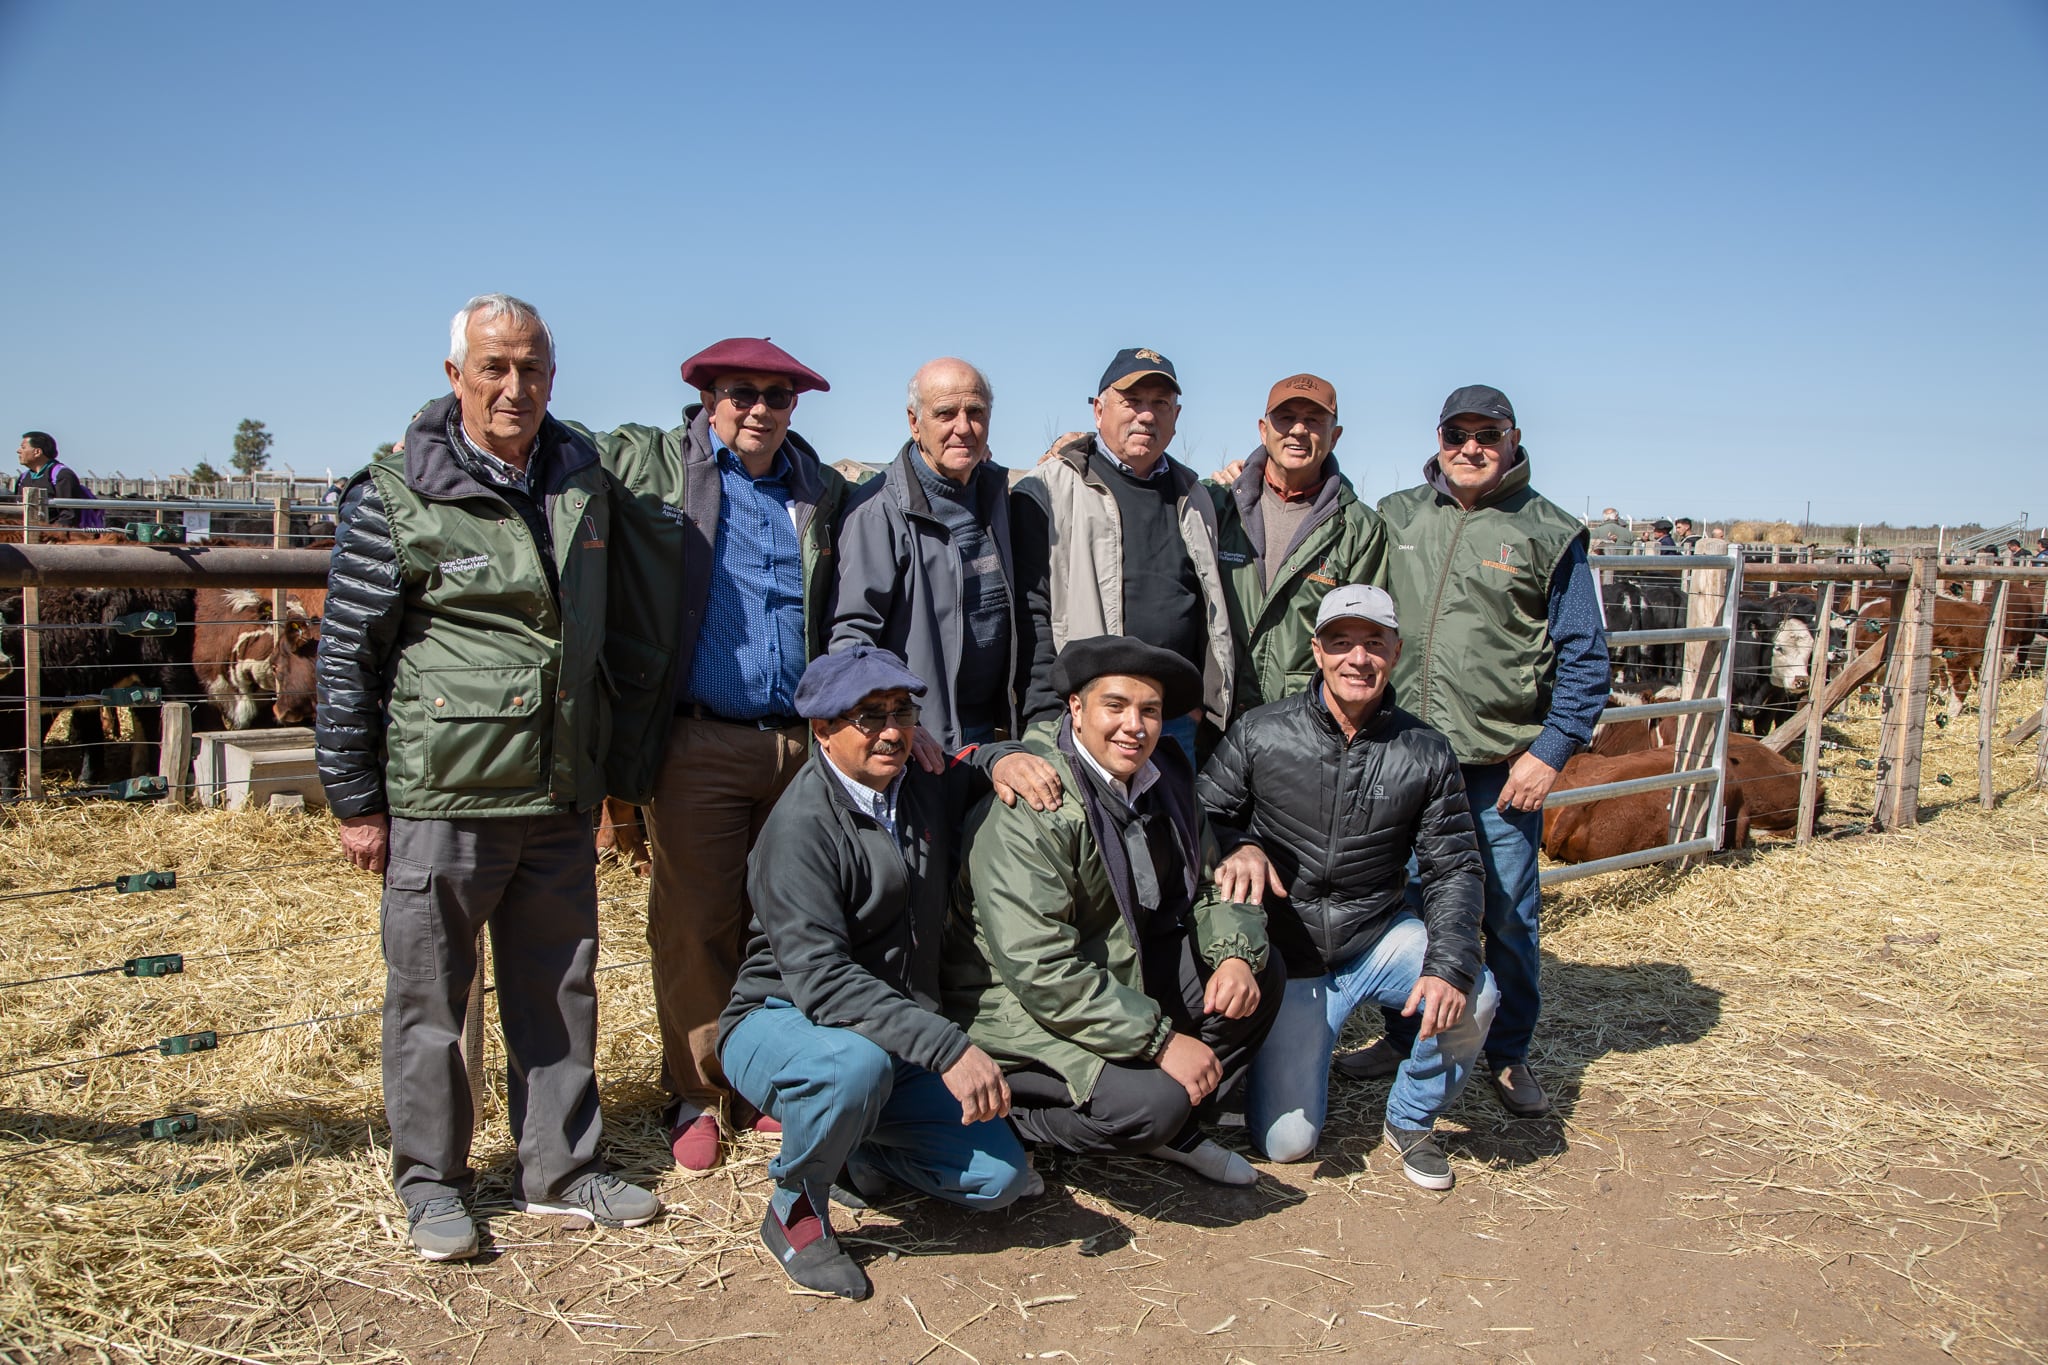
619	831
1773	661
1763	793
236	653
1960	627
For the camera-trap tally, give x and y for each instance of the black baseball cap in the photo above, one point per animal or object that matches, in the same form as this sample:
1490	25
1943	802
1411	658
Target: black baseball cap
1482	400
1133	363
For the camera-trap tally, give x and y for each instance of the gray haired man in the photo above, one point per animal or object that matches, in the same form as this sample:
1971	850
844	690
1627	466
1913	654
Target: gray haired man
459	737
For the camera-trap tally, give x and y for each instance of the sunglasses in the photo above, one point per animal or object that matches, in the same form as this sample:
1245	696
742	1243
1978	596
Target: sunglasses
872	723
1454	437
744	396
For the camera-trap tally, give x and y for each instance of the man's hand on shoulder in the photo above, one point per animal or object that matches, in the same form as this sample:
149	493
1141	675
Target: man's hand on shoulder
1529	781
924	748
977	1082
1246	875
366	839
1191	1061
1442	1005
1028	776
1233	990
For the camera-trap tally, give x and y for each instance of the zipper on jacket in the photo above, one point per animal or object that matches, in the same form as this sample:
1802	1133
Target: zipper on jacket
1436	607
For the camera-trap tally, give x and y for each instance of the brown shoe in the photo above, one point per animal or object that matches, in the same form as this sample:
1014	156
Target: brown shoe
1375	1063
1518	1090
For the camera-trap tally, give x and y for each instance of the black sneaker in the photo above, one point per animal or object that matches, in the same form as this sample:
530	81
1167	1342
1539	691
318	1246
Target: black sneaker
819	1264
441	1230
1518	1090
1422	1161
1375	1063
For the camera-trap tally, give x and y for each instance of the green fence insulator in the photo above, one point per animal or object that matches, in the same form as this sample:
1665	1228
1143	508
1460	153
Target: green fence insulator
178	1044
170	1125
145	881
155	533
138	789
1948	654
1944	779
1865	764
149	624
132	696
1941	720
163	964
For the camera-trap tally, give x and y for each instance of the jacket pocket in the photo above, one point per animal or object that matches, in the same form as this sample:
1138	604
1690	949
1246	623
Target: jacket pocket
410	922
484	732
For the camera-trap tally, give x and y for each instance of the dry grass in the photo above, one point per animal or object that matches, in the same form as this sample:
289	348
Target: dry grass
1858	1022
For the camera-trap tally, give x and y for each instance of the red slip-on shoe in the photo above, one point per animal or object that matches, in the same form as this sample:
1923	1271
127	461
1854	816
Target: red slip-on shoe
694	1145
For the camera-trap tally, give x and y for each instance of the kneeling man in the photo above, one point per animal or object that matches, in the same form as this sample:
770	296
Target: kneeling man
1321	799
1093	957
833	1028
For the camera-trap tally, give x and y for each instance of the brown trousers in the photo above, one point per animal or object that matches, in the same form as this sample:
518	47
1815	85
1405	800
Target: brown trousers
718	782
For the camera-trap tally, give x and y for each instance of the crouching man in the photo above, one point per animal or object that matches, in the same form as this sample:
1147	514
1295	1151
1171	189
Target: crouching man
833	1028
1093	959
1321	799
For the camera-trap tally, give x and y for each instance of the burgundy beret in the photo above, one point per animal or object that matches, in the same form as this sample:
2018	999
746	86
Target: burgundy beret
736	355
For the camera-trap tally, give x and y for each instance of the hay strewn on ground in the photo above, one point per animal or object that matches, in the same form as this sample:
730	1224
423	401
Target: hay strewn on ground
1861	1019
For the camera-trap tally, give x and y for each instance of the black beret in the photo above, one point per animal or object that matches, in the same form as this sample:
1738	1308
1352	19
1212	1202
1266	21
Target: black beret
1083	661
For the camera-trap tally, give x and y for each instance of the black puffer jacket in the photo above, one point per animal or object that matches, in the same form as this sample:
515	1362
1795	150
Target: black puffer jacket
1338	821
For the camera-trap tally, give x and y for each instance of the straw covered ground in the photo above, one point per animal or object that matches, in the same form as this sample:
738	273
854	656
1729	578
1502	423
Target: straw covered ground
1803	1099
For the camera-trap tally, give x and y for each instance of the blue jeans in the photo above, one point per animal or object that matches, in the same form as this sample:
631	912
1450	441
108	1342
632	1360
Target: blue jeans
843	1101
1507	846
1288	1092
1181	730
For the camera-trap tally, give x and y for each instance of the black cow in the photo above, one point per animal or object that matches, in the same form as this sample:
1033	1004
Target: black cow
1773	660
1645	601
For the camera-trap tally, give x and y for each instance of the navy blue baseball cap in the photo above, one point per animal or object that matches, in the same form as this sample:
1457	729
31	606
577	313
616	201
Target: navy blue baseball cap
835	683
1133	363
1481	400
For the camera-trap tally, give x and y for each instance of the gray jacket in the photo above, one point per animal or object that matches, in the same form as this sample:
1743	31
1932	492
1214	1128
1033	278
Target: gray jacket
900	585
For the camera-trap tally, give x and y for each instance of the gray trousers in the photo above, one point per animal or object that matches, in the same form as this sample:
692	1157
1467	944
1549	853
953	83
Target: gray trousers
533	879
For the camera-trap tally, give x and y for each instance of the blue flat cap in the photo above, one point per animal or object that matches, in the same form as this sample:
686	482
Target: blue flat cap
835	683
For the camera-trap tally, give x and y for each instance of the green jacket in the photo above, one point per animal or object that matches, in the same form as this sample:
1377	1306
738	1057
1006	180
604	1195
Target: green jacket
666	544
1341	541
1040	963
495	705
1473	593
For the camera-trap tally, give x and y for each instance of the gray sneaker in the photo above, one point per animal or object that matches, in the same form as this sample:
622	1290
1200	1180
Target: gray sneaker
441	1230
1422	1161
601	1197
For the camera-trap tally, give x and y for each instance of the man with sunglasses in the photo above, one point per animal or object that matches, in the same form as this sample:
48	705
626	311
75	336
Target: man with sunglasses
833	1025
1116	537
1506	655
738	513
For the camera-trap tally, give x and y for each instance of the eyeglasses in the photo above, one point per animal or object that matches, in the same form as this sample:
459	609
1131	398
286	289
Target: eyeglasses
872	723
744	396
1454	437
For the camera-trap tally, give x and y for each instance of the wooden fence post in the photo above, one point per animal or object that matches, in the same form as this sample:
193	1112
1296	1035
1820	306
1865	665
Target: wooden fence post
473	1027
280	539
1693	813
1905	701
174	751
1817	688
1992	664
1979	587
35	511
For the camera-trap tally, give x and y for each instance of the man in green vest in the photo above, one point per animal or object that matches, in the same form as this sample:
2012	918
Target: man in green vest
1289	530
1506	654
460	738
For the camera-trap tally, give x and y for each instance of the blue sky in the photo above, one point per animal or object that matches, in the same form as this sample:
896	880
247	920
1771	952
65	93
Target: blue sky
1725	258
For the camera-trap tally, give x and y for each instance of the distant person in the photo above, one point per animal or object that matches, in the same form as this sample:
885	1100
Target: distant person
1663	541
1505	654
40	468
1116	537
465	572
1290	530
1610	534
2041	551
2015	549
1717	533
1682	532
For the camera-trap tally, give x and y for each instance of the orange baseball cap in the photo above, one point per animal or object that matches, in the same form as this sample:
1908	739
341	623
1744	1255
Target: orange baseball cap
1314	388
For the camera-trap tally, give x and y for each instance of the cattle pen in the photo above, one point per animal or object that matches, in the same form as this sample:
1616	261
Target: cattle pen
1824	1059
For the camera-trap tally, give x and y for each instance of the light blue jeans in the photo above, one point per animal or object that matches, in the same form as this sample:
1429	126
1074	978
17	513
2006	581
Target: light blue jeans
1288	1092
842	1100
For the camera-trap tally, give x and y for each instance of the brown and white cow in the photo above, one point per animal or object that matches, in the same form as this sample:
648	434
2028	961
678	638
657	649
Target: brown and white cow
1960	626
236	653
1763	793
619	830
